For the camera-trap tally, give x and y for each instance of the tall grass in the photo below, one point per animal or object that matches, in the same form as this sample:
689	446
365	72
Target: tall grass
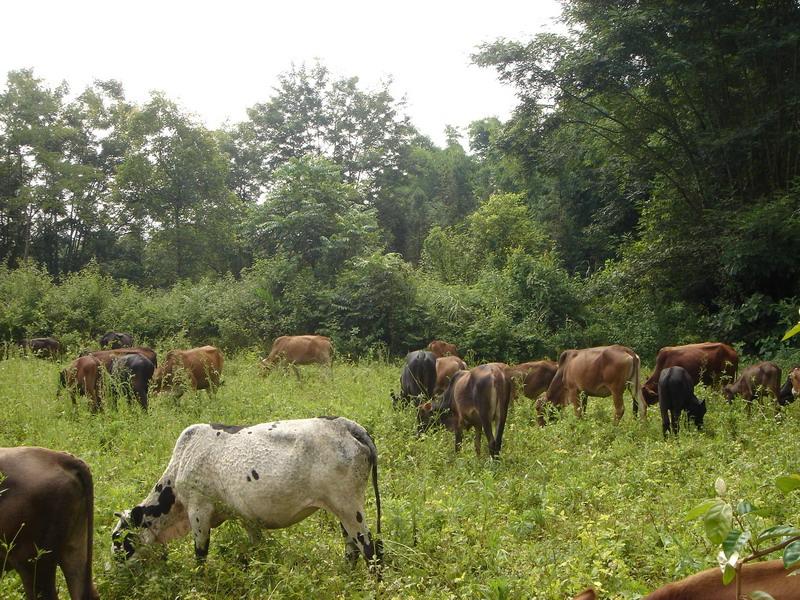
579	502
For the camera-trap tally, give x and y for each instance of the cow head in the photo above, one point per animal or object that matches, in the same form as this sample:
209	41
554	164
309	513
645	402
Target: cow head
650	394
794	377
429	414
160	518
728	392
697	410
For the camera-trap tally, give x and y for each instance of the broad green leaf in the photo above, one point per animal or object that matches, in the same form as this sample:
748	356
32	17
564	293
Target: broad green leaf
793	331
701	509
717	522
791	555
788	483
757	595
778	531
744	507
735	541
728	574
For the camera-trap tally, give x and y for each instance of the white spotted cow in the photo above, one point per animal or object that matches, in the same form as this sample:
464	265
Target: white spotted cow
271	475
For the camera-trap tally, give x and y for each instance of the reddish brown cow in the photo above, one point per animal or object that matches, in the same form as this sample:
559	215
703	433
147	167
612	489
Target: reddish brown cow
534	376
794	377
602	371
46	514
446	367
441	348
197	368
712	360
300	350
765	375
770	577
475	398
82	376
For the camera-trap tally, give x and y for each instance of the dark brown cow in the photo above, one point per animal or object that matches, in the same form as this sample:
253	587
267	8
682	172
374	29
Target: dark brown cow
446	367
48	347
602	371
475	398
711	359
296	350
765	375
82	376
197	368
115	339
46	513
441	348
770	577
534	377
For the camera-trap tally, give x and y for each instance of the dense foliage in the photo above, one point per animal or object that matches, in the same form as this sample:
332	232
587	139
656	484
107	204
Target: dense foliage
645	191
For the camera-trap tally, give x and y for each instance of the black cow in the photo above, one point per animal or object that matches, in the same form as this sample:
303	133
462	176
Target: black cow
133	372
114	340
48	347
676	394
417	380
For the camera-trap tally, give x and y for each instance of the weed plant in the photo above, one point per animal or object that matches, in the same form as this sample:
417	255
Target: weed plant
577	503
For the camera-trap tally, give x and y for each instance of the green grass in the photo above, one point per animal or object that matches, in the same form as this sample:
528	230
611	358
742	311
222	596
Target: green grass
578	503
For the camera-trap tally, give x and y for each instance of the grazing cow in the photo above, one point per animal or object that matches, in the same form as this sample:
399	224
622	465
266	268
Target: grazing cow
271	475
296	350
676	394
441	348
602	371
765	376
199	368
770	577
43	347
534	377
712	360
46	516
417	379
133	372
82	376
446	367
789	392
115	340
475	398
106	357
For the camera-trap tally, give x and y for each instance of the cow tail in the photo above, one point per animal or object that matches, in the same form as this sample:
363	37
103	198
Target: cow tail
85	476
637	388
362	435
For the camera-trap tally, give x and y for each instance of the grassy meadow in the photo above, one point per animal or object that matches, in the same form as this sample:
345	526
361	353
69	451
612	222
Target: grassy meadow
577	503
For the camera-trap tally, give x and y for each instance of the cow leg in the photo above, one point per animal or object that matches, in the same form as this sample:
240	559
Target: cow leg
355	530
200	518
73	564
619	406
665	416
459	437
296	371
676	420
351	550
573	396
254	533
39	579
478	435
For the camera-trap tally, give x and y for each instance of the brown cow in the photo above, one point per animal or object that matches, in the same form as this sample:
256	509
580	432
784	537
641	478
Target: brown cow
711	359
296	350
769	576
794	377
534	376
602	371
82	376
765	375
106	357
441	348
46	514
446	367
199	368
475	398
48	347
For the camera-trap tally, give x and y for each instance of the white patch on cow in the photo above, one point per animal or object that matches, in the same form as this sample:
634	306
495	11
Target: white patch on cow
270	475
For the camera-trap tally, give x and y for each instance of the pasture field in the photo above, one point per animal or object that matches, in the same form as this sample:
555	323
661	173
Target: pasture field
577	503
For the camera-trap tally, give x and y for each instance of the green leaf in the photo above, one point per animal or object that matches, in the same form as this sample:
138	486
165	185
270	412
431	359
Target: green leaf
701	509
728	574
788	483
791	555
793	331
735	541
717	522
756	595
744	507
778	531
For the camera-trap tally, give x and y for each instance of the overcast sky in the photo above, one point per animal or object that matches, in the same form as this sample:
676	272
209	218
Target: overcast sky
218	58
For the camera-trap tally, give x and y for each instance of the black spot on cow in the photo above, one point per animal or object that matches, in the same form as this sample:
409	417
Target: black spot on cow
137	514
328	417
128	546
165	501
359	518
218	433
159	487
248	478
197	519
228	428
255	475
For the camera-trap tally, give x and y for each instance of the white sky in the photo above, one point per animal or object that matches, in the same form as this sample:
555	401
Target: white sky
219	58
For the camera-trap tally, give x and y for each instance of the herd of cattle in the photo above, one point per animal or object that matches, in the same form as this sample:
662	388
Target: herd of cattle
258	474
